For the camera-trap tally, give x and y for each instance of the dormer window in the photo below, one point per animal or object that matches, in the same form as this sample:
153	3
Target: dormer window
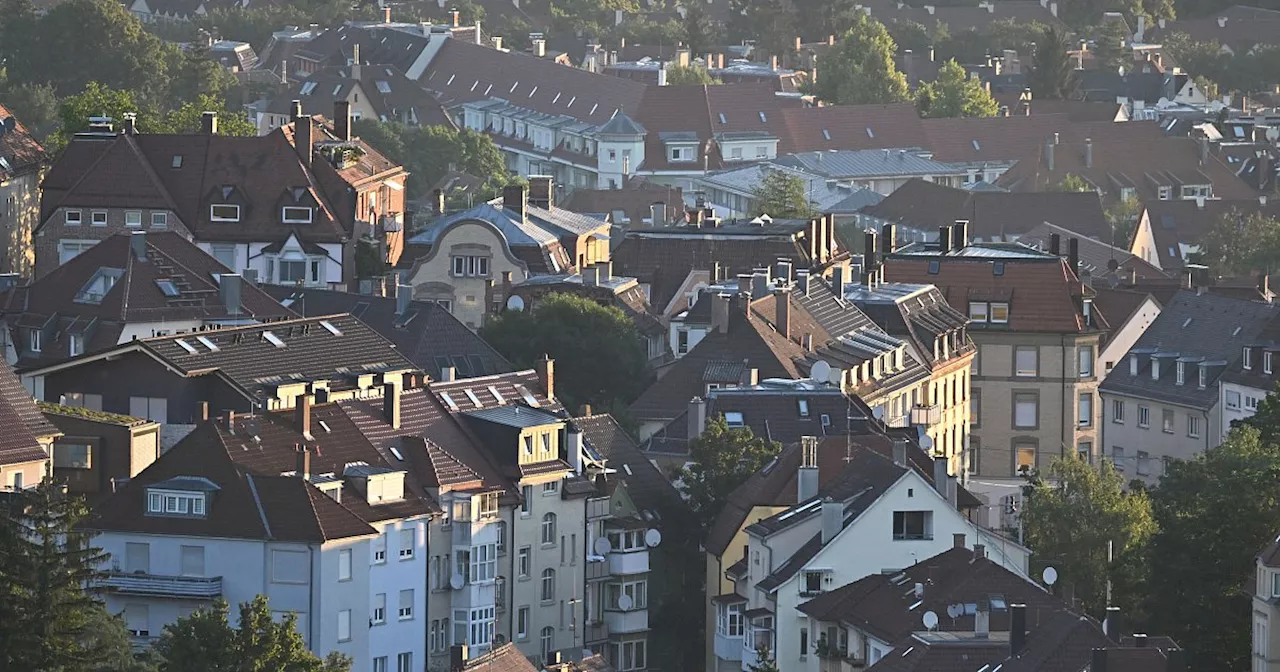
73	217
1165	193
1266	362
224	212
1182	373
1204	376
1248	359
175	503
295	215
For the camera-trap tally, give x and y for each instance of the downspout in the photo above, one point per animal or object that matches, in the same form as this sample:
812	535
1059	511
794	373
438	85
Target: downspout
1062	440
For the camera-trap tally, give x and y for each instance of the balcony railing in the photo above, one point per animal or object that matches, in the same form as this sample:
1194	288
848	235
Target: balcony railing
597	570
192	587
926	415
597	631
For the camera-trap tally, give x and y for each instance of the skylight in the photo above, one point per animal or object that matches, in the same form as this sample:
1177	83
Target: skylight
474	399
593	109
450	80
168	287
475	84
826	135
533	91
513	87
191	350
383	86
328	326
497	395
448	400
870	133
337	88
177	161
207	343
528	398
722	119
763	119
307	88
273	339
556	99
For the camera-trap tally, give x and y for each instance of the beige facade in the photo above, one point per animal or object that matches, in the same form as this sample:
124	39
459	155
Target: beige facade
433	277
23	474
719	584
19	214
1266	615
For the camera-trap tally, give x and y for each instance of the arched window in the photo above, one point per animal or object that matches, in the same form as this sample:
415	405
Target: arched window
548	641
548	585
549	528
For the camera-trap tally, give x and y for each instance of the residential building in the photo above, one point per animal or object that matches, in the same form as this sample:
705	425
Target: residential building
98	450
1101	262
26	452
1168	233
378	92
1266	588
1239	29
792	553
1165	401
455	261
22	163
425	332
236	57
131	285
1244	387
880	170
731	193
334	532
1037	333
290	206
507	658
1130	313
181	380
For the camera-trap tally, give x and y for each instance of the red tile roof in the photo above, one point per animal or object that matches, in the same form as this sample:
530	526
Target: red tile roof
18	150
23	422
850	127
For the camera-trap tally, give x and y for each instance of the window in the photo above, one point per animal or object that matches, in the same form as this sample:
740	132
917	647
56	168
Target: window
812	583
1144	416
380	549
628	655
1164	193
344	625
1027	361
1085	409
379	615
908	525
72	217
137	619
549	529
522	624
636	591
975	408
1166	421
522	562
1000	313
802	406
404	662
99	285
406	605
380	664
1117	412
1248	358
1026	410
734	419
548	585
133	218
1024	455
175	503
291	271
1084	450
549	633
682	153
295	215
622	541
1182	373
159	220
224	212
33	340
1117	458
729	621
682	340
408	540
526	499
484	563
1193	426
344	564
76	344
1144	463
470	266
501	546
98	218
1232	397
72	455
481	623
69	249
804	643
978	311
1084	356
151	408
1266	365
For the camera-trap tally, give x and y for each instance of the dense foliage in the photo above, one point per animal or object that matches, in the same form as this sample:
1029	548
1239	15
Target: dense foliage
721	459
861	69
781	196
431	152
206	642
954	94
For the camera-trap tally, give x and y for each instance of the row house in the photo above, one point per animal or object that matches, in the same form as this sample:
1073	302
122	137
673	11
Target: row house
22	165
289	207
26	452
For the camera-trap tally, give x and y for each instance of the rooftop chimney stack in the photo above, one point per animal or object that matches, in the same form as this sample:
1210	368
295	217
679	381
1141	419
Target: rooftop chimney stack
982	620
130	123
802	281
303	466
438	197
782	297
1055	244
542	190
888	239
209	123
1088	152
869	248
1114	624
404	294
807	476
229	288
1017	628
1073	255
342	119
720	313
957	540
457	654
940	475
546	368
355	61
960	234
138	244
697	417
1204	150
515	197
391	403
837	281
302	410
1048	155
302	134
448	374
832	519
944	239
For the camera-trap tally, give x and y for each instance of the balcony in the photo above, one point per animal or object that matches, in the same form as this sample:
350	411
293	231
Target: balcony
629	562
728	648
621	622
155	585
926	415
597	631
597	570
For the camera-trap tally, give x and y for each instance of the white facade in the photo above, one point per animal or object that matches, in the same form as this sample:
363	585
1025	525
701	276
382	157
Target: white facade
1119	341
1238	402
291	264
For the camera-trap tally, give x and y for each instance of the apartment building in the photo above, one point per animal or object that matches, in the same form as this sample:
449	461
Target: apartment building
1265	642
26	450
22	165
99	450
1037	333
1244	387
1168	400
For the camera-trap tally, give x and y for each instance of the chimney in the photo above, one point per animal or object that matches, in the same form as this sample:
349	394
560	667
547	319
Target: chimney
438	197
302	414
982	620
457	17
1055	244
585	411
1098	660
355	61
744	283
303	463
404	294
231	422
342	119
130	123
837	281
546	368
448	374
782	299
944	239
960	234
1088	152
697	417
1073	255
542	191
759	284
869	249
208	123
1114	624
830	229
657	213
1139	640
229	288
832	519
957	540
900	452
807	475
386	16
940	474
302	133
802	281
979	551
1017	628
391	404
204	410
1048	155
457	654
1204	150
514	198
888	239
591	276
573	451
782	271
138	244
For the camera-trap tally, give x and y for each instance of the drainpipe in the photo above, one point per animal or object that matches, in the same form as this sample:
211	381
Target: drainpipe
1062	441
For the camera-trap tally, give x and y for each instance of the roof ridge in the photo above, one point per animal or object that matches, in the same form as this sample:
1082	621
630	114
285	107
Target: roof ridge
253	490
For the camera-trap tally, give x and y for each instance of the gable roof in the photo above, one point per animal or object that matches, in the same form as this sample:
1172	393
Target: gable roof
1098	258
648	489
1239	27
386	89
19	151
1176	224
24	424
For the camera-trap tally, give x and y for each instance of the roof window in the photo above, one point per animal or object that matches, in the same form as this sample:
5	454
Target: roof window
99	285
168	288
224	212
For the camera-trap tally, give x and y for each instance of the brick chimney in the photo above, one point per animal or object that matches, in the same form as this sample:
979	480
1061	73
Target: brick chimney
303	463
391	404
546	368
782	301
515	197
720	313
302	134
342	119
542	191
302	414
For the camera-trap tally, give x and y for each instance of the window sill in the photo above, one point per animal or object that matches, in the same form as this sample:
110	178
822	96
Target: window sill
404	618
546	603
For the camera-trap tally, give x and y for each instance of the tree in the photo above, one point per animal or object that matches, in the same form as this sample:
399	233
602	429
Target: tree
98	100
721	459
765	662
1123	218
187	118
817	19
698	31
1111	48
430	152
600	358
1214	512
206	642
47	619
1070	517
1053	72
860	69
692	74
1239	243
781	196
1072	182
954	94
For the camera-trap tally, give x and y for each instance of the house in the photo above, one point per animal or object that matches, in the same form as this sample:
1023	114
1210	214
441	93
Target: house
880	170
378	92
731	193
1130	312
98	450
1037	335
26	453
131	285
1266	587
424	331
291	206
181	380
523	235
1250	379
235	56
1163	402
22	162
1100	261
1168	233
793	553
334	532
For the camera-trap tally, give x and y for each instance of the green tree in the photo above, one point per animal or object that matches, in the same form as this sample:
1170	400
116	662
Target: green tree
693	74
187	118
954	94
1266	419
599	356
206	642
721	459
35	104
860	69
98	100
1111	48
1053	72
1214	512
1072	182
765	662
1239	243
429	152
1072	514
772	24
1123	218
818	19
698	31
47	619
781	196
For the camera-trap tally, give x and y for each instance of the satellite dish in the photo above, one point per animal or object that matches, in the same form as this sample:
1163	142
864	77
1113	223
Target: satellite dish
515	303
926	442
456	582
1050	576
836	377
878	412
652	538
603	546
820	372
930	620
955	610
625	603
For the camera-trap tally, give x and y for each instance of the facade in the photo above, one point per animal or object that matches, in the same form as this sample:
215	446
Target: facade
99	450
26	450
1244	387
731	193
378	92
1166	400
1130	312
1266	588
22	164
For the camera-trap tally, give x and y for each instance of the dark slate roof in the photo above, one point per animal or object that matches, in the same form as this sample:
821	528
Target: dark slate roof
531	239
621	124
428	335
1202	327
19	151
645	485
1098	258
1270	556
1256	376
385	87
1176	223
23	422
914	313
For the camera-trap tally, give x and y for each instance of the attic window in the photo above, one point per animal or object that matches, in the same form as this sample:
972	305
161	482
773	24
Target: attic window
802	405
191	350
224	212
99	285
385	87
722	119
933	267
295	215
336	90
997	268
328	326
307	88
177	161
167	287
533	91
870	133
734	419
763	119
175	503
207	343
826	135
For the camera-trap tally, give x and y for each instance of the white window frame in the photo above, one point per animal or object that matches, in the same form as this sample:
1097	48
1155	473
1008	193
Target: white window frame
999	308
1117	411
1018	370
406	551
344	564
159	220
405	613
1084	361
133	219
225	217
95	216
1193	426
296	214
1144	417
1084	409
379	611
72	218
979	311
